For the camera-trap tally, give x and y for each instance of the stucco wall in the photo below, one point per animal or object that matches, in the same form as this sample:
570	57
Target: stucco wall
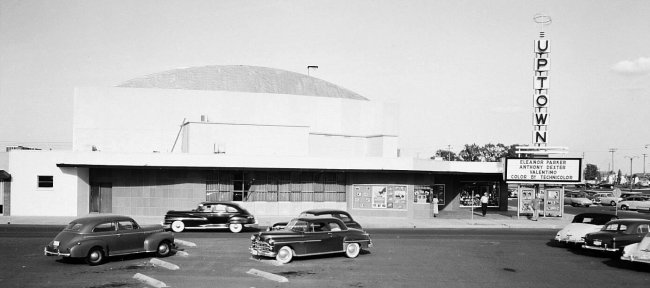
146	120
29	200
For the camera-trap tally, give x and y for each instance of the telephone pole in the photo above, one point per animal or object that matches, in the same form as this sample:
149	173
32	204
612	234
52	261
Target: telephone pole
612	150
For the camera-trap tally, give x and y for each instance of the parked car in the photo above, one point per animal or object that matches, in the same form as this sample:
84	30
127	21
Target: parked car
340	214
305	236
639	202
577	199
97	237
606	198
638	252
582	224
211	215
617	234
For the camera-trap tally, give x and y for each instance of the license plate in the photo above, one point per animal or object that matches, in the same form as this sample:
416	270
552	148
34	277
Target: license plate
55	244
597	242
254	252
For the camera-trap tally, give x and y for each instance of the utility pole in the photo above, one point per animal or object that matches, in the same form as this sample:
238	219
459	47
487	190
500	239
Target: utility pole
448	152
612	150
631	179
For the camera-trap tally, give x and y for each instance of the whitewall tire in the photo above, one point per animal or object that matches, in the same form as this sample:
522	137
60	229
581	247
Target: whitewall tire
352	250
285	255
178	226
235	228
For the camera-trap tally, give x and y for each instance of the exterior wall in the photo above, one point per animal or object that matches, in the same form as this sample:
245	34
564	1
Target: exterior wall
238	139
145	120
29	200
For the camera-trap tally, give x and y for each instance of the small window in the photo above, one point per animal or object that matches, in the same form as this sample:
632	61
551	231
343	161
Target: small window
104	227
126	225
220	208
642	229
45	181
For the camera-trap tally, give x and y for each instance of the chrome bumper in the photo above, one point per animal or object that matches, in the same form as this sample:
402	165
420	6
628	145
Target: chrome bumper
256	252
53	253
598	248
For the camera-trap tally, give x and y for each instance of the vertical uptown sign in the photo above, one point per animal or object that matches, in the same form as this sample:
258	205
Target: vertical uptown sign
541	85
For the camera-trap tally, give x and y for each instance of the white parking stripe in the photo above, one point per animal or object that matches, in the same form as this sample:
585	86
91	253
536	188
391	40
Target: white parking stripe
164	264
182	253
149	281
268	275
184	243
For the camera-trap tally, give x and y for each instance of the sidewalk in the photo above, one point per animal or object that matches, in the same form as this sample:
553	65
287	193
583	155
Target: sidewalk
446	219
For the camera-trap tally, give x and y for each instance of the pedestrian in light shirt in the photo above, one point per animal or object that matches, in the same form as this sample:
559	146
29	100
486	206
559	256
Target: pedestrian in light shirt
484	203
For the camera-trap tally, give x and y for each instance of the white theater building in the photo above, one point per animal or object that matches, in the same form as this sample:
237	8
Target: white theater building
276	142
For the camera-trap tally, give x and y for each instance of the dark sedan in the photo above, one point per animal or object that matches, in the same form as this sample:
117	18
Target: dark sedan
617	234
96	237
305	236
210	215
324	212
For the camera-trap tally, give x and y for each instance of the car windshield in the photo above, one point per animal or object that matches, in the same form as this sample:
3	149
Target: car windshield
615	227
73	227
297	225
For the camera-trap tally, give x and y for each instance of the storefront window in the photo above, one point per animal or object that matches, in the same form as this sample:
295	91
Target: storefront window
424	193
471	193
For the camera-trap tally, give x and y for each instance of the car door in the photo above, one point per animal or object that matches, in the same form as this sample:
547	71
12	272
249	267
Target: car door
220	214
105	232
336	235
130	237
316	237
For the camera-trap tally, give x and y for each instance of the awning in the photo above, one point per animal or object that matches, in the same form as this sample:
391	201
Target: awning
4	176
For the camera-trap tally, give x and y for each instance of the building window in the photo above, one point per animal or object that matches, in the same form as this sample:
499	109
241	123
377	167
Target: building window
45	181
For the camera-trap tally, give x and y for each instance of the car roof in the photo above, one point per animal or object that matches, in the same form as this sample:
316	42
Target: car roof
320	211
311	219
629	221
219	202
96	218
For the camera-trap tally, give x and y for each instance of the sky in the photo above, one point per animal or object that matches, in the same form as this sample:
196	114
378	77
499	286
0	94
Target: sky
459	71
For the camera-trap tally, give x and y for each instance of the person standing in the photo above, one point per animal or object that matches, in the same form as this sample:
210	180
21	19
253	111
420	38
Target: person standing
484	203
434	202
535	203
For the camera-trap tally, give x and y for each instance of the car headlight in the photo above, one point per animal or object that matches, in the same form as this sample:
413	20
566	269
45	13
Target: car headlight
271	241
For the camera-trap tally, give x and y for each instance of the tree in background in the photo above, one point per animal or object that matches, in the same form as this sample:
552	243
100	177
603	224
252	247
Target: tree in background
446	155
487	153
618	176
471	153
591	172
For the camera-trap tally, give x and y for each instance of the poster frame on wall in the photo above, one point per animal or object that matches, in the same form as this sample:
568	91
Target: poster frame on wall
380	197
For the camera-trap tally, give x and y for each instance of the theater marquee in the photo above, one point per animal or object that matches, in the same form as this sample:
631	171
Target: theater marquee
543	170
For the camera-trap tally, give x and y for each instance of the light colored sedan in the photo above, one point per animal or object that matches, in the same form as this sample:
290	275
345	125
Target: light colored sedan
634	203
577	199
582	224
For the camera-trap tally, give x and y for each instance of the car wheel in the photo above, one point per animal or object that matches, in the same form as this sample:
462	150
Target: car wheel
613	203
624	207
285	254
586	206
95	256
235	227
178	226
352	250
164	249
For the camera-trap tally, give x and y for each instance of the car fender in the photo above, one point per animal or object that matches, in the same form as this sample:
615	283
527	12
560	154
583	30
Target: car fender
238	220
363	241
151	242
81	249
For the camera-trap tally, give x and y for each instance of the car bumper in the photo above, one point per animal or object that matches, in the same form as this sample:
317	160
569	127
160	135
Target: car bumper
569	241
256	252
600	248
54	252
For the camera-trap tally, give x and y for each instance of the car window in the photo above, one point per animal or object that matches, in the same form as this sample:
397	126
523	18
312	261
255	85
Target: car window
297	225
219	208
343	217
205	208
319	227
611	227
126	225
104	227
333	226
643	228
73	227
231	209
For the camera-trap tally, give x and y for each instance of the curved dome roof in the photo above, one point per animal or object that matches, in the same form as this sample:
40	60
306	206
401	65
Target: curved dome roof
242	78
